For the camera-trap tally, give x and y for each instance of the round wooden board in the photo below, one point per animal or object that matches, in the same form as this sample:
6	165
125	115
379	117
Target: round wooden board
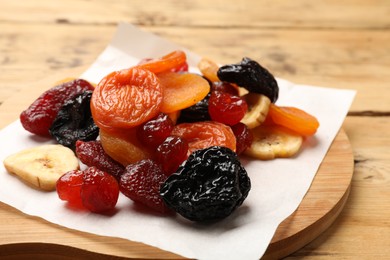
24	236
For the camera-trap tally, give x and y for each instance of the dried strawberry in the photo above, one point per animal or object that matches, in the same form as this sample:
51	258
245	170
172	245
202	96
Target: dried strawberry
39	116
69	186
141	183
100	190
91	153
92	189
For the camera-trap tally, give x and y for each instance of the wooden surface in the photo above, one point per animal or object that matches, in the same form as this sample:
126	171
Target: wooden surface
338	43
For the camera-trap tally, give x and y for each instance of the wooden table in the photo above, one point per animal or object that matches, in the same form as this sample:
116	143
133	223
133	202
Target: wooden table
339	44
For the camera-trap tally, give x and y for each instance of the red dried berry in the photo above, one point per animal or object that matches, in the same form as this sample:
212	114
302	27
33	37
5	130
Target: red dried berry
156	130
224	87
244	137
100	190
171	153
141	183
39	116
92	154
226	108
69	186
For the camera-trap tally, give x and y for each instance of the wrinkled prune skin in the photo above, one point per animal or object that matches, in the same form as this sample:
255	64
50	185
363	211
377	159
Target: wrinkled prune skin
74	122
209	186
39	116
250	75
196	113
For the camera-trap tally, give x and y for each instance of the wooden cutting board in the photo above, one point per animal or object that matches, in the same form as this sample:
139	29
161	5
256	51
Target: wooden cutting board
22	235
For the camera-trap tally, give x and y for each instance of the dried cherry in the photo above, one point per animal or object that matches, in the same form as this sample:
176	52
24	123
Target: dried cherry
244	137
251	75
155	131
171	153
210	185
74	122
226	108
39	116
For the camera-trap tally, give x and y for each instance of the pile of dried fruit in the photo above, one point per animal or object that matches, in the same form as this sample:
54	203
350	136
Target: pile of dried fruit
162	136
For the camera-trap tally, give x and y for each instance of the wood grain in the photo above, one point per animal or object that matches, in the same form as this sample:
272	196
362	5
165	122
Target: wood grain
334	43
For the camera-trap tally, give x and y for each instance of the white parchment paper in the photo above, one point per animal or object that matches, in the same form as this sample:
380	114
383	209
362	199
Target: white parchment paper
278	186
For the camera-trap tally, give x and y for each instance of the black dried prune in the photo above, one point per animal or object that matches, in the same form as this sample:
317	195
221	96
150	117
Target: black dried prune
74	122
210	185
251	75
197	112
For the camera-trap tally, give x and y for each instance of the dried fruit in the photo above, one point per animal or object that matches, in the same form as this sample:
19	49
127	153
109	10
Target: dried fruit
226	108
99	191
42	166
172	61
182	90
92	154
141	183
197	112
171	153
209	186
126	98
201	135
294	118
69	186
251	75
74	121
209	69
273	141
258	106
244	137
39	116
225	87
155	131
124	147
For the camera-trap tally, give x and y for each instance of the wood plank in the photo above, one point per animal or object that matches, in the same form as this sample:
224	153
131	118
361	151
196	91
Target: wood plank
366	214
340	59
204	13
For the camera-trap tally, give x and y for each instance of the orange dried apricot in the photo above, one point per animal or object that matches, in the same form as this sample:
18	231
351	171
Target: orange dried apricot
126	98
168	62
182	90
124	147
209	69
200	135
294	119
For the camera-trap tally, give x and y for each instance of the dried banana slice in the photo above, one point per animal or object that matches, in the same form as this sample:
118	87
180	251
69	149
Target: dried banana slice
42	166
271	142
258	106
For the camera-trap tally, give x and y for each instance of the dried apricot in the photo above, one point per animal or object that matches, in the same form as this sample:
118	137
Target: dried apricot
294	119
200	135
124	147
126	98
209	69
173	61
182	90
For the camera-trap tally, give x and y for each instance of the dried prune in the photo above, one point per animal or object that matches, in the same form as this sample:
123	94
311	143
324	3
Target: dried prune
196	113
74	122
39	116
251	75
210	185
